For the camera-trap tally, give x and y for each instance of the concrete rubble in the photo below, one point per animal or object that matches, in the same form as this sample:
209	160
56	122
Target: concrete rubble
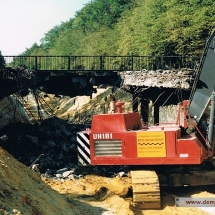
182	78
50	149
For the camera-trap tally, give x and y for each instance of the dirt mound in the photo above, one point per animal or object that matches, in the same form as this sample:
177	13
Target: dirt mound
96	195
100	195
22	191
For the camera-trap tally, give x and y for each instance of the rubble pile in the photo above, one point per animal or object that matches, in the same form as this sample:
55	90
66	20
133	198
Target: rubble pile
51	144
14	80
50	149
182	79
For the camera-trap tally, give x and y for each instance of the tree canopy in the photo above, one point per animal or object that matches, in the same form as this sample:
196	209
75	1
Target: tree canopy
132	27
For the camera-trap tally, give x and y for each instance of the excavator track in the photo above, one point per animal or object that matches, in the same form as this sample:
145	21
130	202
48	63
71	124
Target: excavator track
146	189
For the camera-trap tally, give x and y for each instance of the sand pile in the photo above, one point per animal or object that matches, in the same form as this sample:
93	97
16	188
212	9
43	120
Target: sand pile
22	191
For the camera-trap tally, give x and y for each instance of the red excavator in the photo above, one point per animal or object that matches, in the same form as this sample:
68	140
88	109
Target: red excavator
165	154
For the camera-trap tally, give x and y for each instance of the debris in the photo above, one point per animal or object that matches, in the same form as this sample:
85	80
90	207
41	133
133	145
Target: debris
182	78
4	137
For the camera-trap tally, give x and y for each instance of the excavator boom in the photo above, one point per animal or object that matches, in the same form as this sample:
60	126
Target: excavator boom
204	82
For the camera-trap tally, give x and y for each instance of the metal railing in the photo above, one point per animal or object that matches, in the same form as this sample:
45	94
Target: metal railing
101	63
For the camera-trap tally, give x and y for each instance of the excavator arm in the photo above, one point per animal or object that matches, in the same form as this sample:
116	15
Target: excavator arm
205	80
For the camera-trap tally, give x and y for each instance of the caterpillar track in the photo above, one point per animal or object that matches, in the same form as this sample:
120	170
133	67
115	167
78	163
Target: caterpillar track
146	189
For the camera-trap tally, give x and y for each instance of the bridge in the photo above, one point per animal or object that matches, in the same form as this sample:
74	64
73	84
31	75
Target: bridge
99	63
155	78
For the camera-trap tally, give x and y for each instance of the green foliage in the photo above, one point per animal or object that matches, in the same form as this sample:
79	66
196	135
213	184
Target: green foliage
132	27
190	25
101	13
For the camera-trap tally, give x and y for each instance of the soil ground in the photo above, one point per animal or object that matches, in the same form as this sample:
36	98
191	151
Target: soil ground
98	195
24	192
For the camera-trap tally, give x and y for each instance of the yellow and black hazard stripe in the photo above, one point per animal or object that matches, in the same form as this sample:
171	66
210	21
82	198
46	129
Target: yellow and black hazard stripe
150	144
83	147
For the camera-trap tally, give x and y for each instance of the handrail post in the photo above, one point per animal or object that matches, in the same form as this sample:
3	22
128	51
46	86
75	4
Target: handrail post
162	63
68	63
101	65
132	63
35	62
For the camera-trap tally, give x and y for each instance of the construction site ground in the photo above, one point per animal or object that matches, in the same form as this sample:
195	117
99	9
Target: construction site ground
24	192
98	195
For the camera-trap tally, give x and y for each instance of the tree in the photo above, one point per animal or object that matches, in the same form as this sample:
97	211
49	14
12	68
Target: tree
132	27
2	61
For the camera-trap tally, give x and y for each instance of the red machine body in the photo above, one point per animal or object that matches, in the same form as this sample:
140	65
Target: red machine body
121	139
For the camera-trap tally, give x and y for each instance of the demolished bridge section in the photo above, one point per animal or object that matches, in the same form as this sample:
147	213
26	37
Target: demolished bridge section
178	79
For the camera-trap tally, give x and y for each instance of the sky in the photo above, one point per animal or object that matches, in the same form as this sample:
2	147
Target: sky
25	22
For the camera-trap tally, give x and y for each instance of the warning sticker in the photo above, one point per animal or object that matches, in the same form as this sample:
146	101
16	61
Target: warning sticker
151	144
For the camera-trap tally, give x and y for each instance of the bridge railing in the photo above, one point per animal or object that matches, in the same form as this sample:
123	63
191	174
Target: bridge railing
101	63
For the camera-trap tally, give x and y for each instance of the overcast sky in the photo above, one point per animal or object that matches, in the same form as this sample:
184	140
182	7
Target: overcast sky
24	22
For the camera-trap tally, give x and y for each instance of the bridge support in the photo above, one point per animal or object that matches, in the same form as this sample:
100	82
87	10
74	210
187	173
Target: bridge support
144	110
156	113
